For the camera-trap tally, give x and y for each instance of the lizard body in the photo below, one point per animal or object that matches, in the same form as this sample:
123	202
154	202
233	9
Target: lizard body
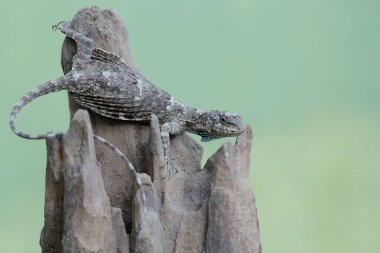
112	89
103	83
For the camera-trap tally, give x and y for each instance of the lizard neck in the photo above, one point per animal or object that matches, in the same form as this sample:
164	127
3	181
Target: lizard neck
178	111
192	118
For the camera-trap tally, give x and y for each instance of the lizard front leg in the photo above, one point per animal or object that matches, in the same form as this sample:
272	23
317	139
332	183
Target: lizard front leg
167	129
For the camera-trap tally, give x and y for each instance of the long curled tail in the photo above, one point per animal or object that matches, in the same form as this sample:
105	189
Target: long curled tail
54	86
130	168
48	87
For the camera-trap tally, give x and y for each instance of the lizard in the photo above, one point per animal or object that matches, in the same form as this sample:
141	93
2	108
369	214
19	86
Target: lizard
103	83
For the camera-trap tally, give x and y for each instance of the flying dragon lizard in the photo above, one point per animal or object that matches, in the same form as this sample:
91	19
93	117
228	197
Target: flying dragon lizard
103	83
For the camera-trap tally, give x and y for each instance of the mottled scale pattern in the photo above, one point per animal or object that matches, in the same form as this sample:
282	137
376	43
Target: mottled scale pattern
132	98
101	82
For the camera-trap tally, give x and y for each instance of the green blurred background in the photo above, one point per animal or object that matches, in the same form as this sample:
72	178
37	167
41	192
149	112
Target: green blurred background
304	73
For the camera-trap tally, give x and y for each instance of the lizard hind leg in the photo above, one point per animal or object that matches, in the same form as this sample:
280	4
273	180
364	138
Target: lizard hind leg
84	44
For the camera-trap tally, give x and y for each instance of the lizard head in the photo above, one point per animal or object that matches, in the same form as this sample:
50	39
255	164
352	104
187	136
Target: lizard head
218	124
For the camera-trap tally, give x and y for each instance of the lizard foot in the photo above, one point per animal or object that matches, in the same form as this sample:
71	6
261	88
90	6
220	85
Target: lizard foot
60	26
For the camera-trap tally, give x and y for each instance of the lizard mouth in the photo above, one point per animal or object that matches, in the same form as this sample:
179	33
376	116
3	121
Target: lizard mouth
234	131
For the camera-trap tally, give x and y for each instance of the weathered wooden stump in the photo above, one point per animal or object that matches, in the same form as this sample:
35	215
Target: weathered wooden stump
92	204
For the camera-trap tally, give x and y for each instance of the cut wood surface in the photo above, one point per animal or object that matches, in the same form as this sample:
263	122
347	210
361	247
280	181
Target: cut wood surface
92	203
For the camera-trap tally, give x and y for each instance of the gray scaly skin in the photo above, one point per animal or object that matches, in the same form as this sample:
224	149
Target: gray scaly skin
103	83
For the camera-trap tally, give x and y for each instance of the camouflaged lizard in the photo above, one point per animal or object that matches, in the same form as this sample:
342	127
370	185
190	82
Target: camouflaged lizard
103	83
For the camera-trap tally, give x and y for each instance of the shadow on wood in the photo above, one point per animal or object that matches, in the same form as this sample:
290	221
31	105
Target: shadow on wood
93	206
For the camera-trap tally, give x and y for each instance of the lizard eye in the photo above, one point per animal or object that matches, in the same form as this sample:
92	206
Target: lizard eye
224	120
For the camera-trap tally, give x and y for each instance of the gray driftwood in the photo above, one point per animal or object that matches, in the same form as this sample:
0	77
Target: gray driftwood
91	203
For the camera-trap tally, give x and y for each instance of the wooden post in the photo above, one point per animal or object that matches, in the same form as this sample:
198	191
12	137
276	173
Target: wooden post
94	206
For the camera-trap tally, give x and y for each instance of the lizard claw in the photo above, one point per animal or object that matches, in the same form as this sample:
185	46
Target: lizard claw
60	25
